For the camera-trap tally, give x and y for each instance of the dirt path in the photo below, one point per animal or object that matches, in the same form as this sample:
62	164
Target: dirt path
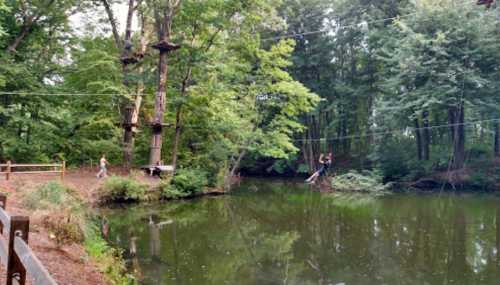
70	264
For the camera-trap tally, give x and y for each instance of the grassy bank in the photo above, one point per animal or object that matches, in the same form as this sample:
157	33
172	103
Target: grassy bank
70	220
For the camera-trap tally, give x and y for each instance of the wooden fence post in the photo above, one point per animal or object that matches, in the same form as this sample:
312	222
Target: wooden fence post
63	169
3	205
7	174
19	226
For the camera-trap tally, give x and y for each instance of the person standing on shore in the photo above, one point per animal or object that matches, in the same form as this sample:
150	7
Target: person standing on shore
103	172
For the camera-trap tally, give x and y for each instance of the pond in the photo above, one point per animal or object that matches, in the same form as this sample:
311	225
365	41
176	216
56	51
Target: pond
276	232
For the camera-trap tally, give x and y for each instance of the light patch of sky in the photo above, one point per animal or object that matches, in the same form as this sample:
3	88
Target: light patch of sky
94	22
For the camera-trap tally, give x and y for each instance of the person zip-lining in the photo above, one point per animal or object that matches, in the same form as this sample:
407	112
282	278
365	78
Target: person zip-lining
325	164
103	172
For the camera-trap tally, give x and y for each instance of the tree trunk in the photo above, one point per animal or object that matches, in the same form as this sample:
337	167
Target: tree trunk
163	30
128	135
177	138
178	118
131	130
418	138
456	119
304	150
237	163
112	21
19	38
497	228
496	144
426	137
160	98
312	161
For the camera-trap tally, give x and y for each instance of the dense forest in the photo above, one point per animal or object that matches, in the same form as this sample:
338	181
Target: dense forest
215	87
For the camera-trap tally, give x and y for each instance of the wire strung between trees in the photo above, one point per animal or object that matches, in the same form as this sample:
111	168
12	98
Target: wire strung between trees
408	129
355	25
374	134
60	94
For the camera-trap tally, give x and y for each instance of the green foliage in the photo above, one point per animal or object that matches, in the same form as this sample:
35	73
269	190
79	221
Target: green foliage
189	180
122	189
353	181
482	180
392	157
49	195
68	220
3	9
249	97
110	259
61	212
170	191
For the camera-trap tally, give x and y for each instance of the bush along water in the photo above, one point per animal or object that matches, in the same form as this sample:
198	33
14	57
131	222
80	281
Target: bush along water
185	183
123	189
365	181
69	220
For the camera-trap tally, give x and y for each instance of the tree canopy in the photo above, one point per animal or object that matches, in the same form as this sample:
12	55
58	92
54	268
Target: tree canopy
262	86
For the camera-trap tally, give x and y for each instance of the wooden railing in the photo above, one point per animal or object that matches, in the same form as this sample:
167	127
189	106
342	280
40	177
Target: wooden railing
56	168
15	254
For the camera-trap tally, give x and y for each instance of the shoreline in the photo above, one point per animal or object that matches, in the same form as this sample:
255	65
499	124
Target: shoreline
79	262
73	263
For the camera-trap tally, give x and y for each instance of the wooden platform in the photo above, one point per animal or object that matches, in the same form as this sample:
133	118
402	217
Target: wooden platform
157	170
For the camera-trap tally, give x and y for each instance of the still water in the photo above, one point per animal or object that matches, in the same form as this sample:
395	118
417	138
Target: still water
272	232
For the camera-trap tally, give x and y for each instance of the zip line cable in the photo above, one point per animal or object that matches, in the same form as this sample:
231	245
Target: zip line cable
355	25
59	94
20	93
374	134
408	129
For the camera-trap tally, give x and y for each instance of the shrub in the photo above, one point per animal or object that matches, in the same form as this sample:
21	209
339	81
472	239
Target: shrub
169	191
50	195
367	181
190	180
110	259
117	188
392	156
186	182
483	181
64	227
60	211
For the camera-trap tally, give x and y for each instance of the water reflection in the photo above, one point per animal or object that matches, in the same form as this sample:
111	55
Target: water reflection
284	234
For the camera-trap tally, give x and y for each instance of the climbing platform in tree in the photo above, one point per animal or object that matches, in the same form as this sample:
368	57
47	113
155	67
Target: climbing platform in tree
165	45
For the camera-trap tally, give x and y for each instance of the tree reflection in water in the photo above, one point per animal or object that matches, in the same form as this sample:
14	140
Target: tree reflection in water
285	234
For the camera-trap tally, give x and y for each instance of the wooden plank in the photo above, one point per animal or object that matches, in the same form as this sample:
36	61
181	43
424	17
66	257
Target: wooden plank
4	250
63	169
3	205
34	267
28	165
35	172
5	220
19	227
7	175
36	165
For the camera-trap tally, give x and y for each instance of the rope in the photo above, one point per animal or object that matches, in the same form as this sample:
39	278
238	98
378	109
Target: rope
59	94
400	130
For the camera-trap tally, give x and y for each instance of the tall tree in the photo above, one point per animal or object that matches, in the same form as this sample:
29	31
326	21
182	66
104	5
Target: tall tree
164	12
128	58
434	64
